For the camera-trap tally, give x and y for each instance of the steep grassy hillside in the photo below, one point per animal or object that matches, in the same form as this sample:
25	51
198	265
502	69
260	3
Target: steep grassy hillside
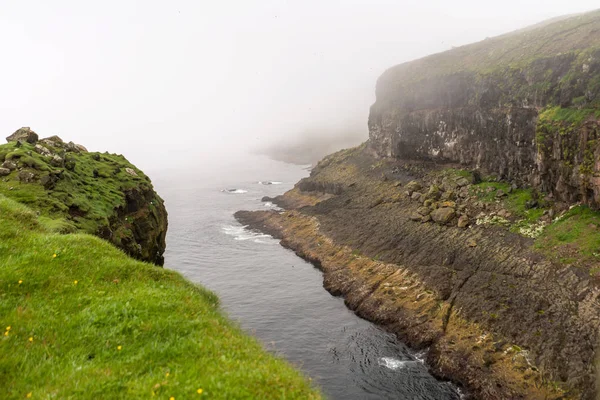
82	320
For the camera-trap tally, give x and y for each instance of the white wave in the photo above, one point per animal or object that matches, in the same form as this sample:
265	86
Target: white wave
420	356
243	234
234	191
269	183
392	363
269	204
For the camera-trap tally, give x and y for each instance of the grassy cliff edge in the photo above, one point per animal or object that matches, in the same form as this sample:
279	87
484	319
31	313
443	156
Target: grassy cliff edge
80	319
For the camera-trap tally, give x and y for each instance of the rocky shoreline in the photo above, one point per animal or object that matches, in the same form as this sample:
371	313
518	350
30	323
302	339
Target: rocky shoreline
495	315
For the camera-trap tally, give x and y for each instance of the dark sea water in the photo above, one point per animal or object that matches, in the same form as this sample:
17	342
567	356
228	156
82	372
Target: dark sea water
274	294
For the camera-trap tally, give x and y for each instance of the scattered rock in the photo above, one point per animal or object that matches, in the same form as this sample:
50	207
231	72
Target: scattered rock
434	193
42	150
9	164
504	214
413	186
26	176
416	196
24	134
415	217
462	181
424	210
450	204
76	148
398	184
426	218
443	215
463	221
4	171
471	243
131	172
500	193
57	161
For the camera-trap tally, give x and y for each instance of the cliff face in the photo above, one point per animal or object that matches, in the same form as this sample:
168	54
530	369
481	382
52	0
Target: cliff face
523	106
76	190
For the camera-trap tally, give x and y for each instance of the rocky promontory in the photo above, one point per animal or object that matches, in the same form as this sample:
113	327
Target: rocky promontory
76	190
468	223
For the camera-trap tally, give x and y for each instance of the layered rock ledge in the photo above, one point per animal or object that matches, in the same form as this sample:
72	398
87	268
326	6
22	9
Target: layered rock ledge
498	315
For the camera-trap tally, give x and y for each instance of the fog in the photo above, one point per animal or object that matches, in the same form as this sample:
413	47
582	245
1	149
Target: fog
176	84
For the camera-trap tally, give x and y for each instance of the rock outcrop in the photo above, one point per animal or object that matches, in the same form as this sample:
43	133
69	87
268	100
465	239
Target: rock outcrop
24	134
524	106
76	190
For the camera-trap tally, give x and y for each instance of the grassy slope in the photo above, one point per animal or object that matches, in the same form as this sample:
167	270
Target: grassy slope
514	49
93	323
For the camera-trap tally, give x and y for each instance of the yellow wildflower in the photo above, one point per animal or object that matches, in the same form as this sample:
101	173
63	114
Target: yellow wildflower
54	255
31	339
20	281
6	333
119	348
29	395
199	391
8	328
171	398
167	374
74	282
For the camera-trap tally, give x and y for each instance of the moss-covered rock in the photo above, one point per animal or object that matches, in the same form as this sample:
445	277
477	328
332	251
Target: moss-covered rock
98	193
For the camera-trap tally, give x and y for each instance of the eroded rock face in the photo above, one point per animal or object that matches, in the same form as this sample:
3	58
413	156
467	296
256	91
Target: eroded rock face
500	119
24	134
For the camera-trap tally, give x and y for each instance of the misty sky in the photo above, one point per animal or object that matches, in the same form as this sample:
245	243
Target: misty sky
174	83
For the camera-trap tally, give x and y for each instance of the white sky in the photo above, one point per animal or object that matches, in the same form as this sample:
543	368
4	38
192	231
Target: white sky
180	83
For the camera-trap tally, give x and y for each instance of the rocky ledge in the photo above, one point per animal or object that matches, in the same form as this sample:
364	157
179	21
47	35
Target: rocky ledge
456	262
76	190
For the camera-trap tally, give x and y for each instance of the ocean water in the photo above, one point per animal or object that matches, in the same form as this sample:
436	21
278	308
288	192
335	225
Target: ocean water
275	295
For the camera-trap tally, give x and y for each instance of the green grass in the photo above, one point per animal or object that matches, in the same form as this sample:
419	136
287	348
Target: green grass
92	323
575	237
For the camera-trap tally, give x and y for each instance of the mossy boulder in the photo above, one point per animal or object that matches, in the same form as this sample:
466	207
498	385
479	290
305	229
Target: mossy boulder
77	190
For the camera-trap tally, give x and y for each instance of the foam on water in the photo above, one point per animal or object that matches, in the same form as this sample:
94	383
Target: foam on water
243	234
269	183
234	191
392	363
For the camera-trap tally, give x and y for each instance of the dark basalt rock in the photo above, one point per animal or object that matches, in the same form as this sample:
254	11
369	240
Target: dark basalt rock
472	106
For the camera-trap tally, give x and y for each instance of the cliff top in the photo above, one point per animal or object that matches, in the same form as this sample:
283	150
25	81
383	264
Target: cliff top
550	38
83	320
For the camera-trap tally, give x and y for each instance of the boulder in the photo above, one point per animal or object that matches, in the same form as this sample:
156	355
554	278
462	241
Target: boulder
75	148
434	193
416	196
413	186
462	182
131	172
26	176
424	210
57	161
24	134
415	217
4	171
443	215
9	164
463	221
42	150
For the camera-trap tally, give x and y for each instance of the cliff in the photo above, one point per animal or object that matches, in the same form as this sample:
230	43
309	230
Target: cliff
524	106
467	224
74	190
